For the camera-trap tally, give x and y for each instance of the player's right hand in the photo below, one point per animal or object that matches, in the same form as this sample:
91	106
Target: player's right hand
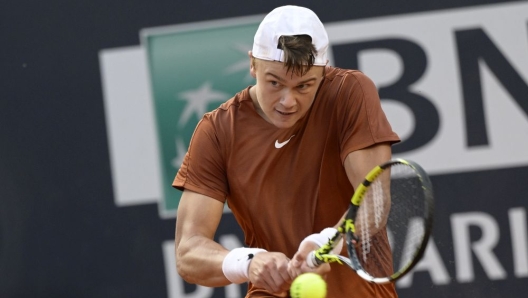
269	270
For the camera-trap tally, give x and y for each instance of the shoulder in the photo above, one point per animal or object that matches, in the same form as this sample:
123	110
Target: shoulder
347	83
229	108
347	76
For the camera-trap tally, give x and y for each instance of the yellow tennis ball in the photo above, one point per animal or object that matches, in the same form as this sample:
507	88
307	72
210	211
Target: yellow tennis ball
308	285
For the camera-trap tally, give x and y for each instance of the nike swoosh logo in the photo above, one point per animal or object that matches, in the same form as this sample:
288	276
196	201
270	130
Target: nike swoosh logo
280	145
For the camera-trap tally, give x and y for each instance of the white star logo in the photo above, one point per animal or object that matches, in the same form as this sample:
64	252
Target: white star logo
197	101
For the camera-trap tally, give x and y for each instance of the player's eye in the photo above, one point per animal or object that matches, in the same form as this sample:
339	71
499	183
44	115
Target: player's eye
304	87
274	83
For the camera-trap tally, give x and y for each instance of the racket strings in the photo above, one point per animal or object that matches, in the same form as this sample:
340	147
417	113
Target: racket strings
408	207
389	223
378	198
378	261
365	234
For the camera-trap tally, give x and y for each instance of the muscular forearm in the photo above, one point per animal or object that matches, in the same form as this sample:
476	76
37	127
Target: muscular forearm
199	261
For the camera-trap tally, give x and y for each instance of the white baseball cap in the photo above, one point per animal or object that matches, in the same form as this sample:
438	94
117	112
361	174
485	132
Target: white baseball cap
289	20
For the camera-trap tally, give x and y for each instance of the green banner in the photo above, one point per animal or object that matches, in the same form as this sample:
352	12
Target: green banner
193	69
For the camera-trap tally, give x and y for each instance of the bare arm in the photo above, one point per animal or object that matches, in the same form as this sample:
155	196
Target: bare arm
359	163
198	257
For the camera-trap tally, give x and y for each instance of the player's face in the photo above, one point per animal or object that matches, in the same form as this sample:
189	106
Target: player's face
280	97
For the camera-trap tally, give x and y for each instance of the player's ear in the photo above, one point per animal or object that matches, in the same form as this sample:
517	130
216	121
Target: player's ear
252	70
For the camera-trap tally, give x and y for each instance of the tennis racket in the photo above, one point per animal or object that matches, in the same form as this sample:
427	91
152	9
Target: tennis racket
387	225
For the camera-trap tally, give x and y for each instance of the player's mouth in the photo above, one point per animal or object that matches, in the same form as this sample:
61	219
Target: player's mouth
285	119
285	113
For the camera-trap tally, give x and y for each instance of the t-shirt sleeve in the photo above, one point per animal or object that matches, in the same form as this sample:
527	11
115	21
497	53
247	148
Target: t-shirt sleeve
203	167
362	122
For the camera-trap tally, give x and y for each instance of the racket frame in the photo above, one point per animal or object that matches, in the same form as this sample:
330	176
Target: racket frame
347	227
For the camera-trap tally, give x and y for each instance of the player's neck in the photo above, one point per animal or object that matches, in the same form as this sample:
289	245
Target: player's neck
256	105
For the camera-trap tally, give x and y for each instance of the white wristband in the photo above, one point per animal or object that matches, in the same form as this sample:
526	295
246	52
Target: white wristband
322	238
236	264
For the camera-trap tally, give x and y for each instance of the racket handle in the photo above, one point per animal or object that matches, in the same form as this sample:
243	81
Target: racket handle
312	261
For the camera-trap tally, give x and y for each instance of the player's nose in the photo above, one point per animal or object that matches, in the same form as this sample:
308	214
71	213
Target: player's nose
288	99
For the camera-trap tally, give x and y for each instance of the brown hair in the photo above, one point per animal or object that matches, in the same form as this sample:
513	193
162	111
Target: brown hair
299	53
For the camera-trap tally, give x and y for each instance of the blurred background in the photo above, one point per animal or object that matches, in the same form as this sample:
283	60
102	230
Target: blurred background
99	99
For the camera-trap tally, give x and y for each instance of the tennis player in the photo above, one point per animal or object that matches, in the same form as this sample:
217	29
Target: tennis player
285	154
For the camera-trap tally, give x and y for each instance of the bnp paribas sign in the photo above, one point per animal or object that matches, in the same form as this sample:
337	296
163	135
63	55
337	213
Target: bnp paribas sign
193	68
156	93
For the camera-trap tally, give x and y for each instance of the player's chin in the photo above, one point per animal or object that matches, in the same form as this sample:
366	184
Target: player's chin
282	121
283	125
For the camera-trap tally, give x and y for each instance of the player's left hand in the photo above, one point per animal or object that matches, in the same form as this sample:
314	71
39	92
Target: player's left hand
298	265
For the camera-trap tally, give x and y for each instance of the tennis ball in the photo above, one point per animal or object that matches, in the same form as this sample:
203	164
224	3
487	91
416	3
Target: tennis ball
308	285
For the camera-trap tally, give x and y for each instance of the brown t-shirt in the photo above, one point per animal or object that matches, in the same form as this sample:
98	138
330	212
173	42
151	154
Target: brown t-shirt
281	195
